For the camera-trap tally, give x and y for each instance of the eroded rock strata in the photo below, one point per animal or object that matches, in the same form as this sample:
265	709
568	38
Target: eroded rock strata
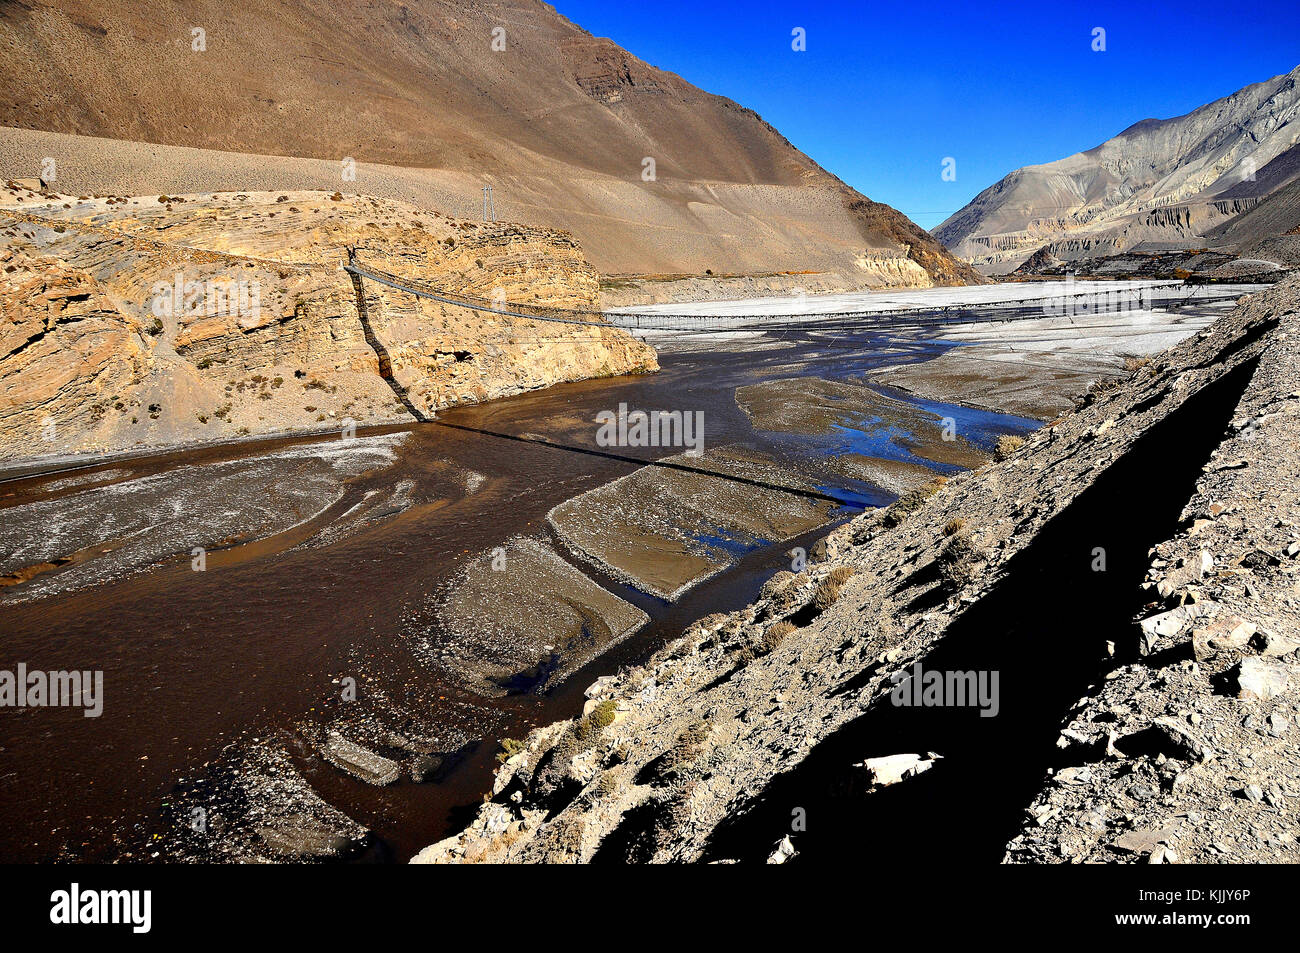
200	317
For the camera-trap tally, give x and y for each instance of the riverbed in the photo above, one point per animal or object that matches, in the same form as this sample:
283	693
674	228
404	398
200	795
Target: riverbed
420	591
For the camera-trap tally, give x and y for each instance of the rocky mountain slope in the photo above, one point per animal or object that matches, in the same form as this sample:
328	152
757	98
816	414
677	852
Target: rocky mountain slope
1270	231
148	321
1128	554
440	97
1160	183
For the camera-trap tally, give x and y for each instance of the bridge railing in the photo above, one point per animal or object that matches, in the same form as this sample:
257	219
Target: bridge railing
918	317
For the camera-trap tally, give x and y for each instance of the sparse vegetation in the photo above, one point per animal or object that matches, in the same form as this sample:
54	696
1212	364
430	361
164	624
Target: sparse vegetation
954	526
828	591
602	716
588	728
958	561
509	748
606	786
688	746
776	634
1007	445
910	502
777	583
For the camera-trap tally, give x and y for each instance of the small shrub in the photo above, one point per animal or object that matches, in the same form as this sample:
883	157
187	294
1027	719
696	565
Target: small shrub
689	743
602	716
954	526
776	584
825	595
1136	363
776	634
842	574
911	501
958	561
606	786
1099	387
784	593
509	748
588	729
828	591
1006	446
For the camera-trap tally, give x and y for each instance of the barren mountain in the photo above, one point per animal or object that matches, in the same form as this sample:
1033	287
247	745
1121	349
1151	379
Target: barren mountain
506	92
1161	183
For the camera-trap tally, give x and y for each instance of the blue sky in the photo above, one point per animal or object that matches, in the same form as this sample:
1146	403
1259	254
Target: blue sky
886	91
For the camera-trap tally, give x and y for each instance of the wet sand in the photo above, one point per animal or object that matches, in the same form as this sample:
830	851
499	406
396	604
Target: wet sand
664	531
1035	368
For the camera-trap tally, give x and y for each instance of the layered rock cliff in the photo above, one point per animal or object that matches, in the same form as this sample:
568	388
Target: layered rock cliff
148	321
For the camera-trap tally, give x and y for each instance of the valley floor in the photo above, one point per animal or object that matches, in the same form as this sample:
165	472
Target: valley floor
1124	582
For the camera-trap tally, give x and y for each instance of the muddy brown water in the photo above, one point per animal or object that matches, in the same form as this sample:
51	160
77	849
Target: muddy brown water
195	662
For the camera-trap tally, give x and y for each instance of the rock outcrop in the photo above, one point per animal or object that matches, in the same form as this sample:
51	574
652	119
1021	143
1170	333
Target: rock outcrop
1188	753
762	733
148	321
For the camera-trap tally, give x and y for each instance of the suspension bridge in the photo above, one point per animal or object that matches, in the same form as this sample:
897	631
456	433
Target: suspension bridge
1074	301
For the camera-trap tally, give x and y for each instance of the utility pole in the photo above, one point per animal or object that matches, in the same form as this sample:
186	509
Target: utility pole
489	205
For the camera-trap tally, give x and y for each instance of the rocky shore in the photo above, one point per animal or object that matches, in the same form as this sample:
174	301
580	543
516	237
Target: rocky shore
1125	578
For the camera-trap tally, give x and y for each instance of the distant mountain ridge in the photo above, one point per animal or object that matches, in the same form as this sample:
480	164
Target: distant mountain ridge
1161	183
